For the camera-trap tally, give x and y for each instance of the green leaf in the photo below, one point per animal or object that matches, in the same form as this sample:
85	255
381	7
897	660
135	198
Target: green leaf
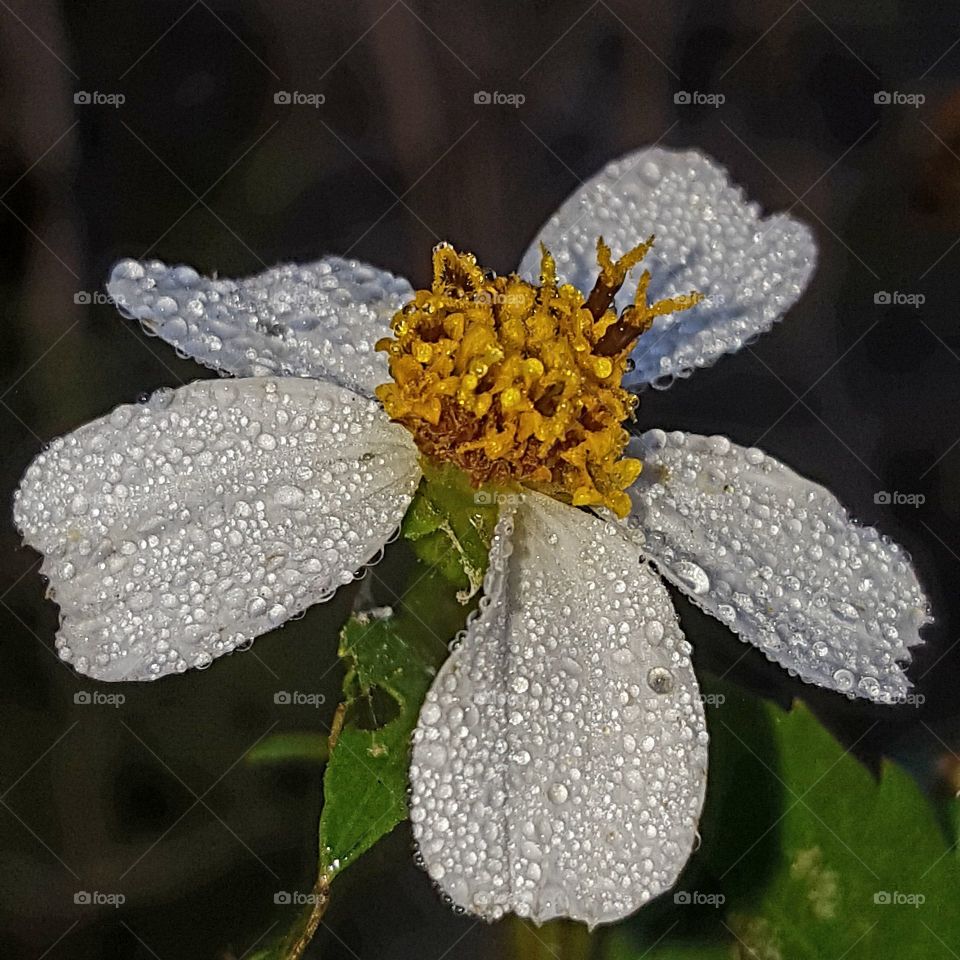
803	845
450	524
392	657
365	783
863	869
391	662
297	747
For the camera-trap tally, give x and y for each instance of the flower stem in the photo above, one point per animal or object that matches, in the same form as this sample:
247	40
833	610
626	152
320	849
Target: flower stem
319	902
556	940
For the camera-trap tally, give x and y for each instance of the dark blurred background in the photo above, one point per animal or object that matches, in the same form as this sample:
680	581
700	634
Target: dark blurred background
151	797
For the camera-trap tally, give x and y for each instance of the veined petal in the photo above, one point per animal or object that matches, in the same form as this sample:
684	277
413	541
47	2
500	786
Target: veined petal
317	319
559	763
175	530
709	238
776	558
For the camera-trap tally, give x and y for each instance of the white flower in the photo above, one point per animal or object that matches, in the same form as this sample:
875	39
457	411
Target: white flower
560	760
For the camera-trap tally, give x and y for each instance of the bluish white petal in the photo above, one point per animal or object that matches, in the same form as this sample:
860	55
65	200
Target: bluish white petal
559	762
317	319
709	238
777	558
175	530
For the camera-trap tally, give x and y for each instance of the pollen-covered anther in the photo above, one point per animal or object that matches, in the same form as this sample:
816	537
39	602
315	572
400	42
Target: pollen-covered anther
521	383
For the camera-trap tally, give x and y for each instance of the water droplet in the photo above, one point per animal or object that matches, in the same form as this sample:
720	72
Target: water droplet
843	679
558	793
288	495
633	778
165	306
691	576
720	446
846	611
660	680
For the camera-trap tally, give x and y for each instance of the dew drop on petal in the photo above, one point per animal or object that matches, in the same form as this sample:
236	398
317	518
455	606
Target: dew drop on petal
843	679
660	680
558	793
694	577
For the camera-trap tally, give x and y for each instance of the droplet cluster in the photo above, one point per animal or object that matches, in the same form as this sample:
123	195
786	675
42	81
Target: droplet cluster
317	319
560	758
178	529
776	558
709	238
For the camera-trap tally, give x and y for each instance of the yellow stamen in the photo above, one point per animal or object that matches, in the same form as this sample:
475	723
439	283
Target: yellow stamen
516	383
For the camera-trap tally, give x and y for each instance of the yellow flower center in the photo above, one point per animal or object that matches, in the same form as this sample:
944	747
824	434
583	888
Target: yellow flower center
517	383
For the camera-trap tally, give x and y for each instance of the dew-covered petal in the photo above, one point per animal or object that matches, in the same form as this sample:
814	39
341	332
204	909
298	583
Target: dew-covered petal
559	762
709	238
175	530
777	558
317	319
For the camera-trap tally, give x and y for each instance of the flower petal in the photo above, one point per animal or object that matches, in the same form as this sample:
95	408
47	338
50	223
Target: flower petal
559	763
776	558
317	319
175	530
709	238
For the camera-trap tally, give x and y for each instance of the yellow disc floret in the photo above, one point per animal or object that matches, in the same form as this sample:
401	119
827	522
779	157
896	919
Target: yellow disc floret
516	383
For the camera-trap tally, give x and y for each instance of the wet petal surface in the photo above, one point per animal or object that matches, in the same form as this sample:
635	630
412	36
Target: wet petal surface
776	558
709	238
176	529
559	762
317	319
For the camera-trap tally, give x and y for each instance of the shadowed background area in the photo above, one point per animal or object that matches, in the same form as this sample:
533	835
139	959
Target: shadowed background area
859	388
